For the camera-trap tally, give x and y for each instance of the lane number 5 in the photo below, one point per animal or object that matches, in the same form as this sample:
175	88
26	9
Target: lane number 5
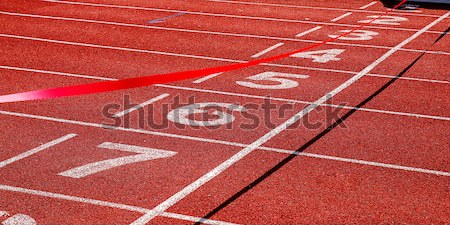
276	80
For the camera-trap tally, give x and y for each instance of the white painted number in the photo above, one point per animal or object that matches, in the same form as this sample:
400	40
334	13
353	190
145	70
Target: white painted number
357	35
273	77
320	56
17	219
385	20
143	154
180	115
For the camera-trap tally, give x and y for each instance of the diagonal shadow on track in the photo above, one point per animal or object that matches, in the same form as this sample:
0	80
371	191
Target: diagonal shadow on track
316	138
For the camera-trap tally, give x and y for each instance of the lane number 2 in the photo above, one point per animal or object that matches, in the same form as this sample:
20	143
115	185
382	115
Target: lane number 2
384	20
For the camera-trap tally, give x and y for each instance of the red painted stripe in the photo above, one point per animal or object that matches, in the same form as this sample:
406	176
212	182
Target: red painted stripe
136	82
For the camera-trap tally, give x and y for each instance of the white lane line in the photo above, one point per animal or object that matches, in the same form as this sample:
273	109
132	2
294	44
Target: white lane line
250	18
55	73
214	75
103	126
118	48
250	148
321	8
369	163
214	32
205	78
202	57
106	204
411	78
157	52
309	31
142	105
341	17
73	198
253	146
271	48
207	140
368	5
36	150
416	115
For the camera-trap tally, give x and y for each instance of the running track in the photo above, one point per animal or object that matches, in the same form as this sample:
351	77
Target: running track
386	161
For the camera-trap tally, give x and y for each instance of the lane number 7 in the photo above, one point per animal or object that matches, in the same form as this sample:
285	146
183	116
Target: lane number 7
143	154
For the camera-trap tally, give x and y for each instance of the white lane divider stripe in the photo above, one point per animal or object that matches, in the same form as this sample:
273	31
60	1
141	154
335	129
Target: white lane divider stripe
205	78
368	5
107	204
416	115
265	51
341	17
200	81
396	12
244	17
207	140
36	150
204	32
142	105
309	31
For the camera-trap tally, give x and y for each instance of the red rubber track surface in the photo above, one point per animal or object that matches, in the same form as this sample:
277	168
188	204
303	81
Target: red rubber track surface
386	163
